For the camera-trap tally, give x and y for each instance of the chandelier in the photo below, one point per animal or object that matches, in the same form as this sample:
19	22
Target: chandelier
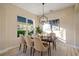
43	18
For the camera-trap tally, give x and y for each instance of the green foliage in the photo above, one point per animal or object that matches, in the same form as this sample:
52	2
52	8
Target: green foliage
21	32
30	33
38	30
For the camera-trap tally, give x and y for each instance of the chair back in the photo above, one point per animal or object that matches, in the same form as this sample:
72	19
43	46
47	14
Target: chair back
21	39
29	41
38	45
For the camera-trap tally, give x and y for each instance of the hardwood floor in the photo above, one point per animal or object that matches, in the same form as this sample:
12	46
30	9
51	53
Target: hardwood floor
62	50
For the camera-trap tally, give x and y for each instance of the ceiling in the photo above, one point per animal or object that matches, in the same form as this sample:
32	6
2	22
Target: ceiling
37	8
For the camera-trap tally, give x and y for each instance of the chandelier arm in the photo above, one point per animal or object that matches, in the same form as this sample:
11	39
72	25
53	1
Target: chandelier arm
43	9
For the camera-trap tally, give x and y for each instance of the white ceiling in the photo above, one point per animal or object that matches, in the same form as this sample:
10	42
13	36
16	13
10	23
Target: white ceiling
37	8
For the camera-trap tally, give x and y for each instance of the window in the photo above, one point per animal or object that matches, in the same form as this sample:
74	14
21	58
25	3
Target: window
46	28
30	27
21	26
21	23
24	26
54	25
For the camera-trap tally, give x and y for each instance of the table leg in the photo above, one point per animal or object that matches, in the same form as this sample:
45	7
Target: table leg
49	50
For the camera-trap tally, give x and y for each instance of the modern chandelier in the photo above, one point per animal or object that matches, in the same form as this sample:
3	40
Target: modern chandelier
43	18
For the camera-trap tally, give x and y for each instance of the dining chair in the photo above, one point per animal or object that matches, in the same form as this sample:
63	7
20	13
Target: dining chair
29	43
19	40
53	37
22	43
39	46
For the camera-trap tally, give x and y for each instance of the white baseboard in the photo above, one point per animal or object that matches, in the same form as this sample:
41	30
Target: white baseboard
69	45
73	46
76	47
7	49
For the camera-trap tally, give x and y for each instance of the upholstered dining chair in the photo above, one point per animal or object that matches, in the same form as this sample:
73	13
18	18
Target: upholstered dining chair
38	46
22	43
29	43
19	40
53	37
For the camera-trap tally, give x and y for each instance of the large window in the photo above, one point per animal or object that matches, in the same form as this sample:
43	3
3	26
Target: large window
21	26
24	26
54	25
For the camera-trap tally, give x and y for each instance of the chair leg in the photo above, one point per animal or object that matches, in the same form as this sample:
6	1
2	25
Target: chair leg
33	51
30	51
48	51
20	47
55	45
24	48
41	53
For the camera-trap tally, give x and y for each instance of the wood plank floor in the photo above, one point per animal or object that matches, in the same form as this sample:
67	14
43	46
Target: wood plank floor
62	50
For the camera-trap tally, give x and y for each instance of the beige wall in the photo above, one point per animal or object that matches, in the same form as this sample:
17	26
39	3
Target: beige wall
77	24
8	24
2	26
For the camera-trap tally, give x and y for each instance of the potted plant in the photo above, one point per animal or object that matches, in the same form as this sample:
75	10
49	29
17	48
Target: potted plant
30	33
21	32
38	30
